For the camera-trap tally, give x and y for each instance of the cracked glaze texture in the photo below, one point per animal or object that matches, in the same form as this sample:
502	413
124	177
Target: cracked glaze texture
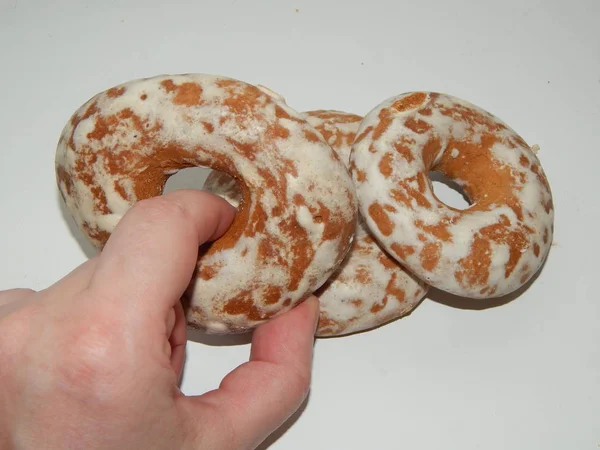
369	288
491	248
296	220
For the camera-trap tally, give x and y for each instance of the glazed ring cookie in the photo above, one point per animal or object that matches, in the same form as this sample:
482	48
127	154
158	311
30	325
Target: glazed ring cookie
295	223
491	248
370	288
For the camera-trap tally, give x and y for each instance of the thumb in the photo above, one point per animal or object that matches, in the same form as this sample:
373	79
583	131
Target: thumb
260	395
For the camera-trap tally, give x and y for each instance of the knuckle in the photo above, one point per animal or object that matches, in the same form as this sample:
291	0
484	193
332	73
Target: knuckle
20	292
91	359
10	348
15	295
16	330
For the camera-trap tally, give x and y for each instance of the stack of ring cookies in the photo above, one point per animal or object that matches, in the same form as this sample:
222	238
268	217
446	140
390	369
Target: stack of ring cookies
329	203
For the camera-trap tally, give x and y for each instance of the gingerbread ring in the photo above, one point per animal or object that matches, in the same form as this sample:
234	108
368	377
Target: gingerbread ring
295	223
369	288
491	248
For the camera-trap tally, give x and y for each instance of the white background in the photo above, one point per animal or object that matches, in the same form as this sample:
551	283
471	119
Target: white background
455	374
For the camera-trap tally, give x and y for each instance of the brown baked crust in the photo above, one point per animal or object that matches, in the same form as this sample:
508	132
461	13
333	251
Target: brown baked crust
295	223
488	250
369	288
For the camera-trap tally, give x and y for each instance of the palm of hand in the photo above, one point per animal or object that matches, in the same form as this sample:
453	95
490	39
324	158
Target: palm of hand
93	364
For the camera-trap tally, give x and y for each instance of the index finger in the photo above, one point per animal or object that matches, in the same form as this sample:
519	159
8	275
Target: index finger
151	256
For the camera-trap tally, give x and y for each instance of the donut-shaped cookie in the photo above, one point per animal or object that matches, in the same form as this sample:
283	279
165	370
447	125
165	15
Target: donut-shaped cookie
369	288
491	248
295	223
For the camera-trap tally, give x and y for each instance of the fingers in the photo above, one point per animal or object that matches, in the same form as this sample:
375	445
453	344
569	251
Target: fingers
259	396
150	258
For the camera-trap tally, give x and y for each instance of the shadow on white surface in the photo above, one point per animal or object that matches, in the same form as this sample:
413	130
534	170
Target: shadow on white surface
218	340
84	244
189	178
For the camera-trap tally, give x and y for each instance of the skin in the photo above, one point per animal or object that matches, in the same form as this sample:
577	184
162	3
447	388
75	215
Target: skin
94	361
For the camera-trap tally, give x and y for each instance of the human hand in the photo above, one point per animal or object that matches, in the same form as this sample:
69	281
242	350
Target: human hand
94	361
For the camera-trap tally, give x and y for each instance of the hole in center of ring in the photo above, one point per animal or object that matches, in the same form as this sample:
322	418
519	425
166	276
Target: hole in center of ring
205	179
449	191
189	178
